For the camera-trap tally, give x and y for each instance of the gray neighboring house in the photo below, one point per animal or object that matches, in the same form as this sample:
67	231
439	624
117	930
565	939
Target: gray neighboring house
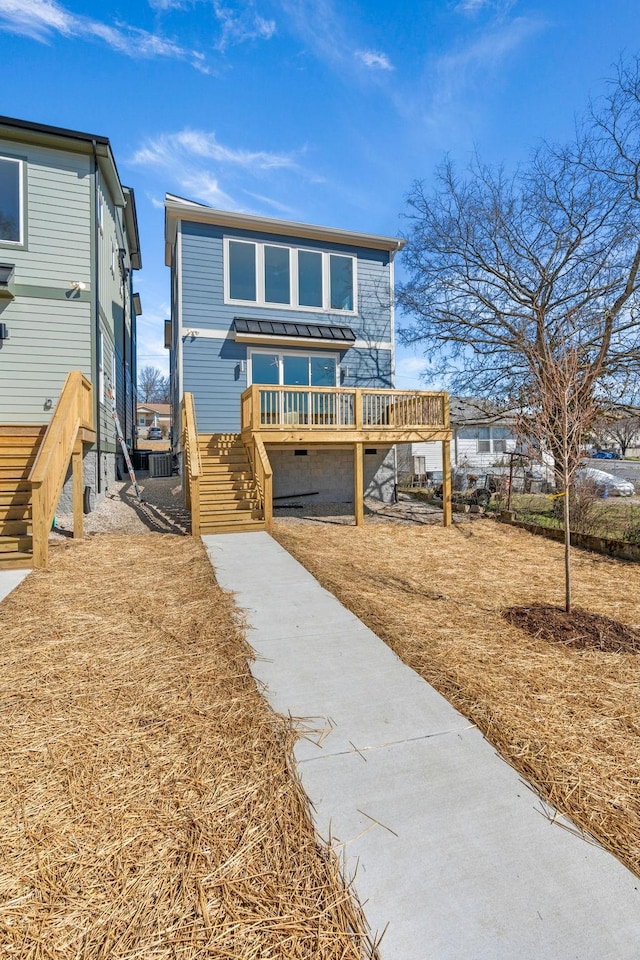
68	248
482	435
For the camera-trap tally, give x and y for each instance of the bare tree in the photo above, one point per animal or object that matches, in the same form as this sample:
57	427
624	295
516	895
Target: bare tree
561	406
509	272
619	427
153	386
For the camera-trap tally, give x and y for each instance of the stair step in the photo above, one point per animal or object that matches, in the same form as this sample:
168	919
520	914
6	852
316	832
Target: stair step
15	511
15	528
15	473
214	476
240	526
23	560
226	483
232	516
7	485
227	495
14	544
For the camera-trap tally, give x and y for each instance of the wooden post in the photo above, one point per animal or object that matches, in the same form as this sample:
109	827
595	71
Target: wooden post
358	483
446	483
40	533
195	506
268	501
76	466
357	405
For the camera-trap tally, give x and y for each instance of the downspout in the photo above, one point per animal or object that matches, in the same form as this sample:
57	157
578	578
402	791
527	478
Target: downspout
96	267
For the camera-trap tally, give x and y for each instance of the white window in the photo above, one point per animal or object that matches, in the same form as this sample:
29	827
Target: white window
11	217
268	274
488	439
101	214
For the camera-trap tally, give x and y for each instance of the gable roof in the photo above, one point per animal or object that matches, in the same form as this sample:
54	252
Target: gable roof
479	410
160	408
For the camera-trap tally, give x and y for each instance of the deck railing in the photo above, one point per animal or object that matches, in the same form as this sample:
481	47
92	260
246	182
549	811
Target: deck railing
61	443
339	408
191	462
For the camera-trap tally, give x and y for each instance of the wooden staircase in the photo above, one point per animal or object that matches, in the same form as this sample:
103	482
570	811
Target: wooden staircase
18	450
229	497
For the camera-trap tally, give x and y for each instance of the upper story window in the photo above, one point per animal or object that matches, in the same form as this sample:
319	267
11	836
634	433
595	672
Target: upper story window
11	225
267	274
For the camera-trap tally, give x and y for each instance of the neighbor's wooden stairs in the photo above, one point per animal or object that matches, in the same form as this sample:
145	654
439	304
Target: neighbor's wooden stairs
229	499
18	449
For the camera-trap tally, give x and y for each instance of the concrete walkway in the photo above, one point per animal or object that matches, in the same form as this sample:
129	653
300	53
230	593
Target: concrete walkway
453	854
9	580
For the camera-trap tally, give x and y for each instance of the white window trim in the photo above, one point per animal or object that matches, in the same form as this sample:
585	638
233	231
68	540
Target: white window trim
293	279
291	353
20	162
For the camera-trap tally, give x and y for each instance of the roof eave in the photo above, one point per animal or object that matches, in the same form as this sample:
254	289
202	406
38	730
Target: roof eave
176	211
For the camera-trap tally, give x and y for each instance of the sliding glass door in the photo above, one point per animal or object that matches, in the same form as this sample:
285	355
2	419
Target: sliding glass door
295	370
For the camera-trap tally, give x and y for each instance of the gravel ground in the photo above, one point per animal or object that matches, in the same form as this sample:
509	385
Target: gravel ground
161	511
406	510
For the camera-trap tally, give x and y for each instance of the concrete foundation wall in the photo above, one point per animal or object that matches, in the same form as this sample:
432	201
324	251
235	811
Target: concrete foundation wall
89	479
327	474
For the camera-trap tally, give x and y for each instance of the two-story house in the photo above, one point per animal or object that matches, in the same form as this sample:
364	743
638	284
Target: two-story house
68	248
282	345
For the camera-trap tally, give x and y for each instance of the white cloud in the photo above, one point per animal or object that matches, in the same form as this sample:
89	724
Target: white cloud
204	186
459	80
43	19
371	58
187	145
323	27
193	162
35	18
241	25
498	8
282	208
168	4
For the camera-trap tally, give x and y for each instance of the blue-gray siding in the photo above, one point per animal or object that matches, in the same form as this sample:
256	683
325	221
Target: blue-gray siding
211	366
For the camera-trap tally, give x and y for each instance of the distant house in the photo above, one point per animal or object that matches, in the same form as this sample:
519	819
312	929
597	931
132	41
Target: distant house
69	247
153	415
482	435
281	345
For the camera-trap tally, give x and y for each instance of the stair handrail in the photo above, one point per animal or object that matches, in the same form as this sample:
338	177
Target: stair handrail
73	412
263	474
191	466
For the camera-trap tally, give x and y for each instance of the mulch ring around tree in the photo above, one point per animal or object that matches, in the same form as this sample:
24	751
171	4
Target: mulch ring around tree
579	629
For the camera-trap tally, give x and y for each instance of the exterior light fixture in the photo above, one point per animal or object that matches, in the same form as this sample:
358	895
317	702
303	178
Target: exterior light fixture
6	276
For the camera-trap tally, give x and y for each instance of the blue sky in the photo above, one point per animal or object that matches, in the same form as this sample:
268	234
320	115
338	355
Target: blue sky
315	110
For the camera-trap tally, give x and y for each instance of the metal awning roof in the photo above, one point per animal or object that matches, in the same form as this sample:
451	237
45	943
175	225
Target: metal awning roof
327	332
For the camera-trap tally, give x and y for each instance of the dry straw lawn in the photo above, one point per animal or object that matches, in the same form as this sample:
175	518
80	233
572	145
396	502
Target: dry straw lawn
567	719
147	803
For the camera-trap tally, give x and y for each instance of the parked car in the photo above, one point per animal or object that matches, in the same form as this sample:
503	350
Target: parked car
606	455
154	433
605	483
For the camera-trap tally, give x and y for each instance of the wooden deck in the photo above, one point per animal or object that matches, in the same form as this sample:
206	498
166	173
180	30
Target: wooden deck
305	416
